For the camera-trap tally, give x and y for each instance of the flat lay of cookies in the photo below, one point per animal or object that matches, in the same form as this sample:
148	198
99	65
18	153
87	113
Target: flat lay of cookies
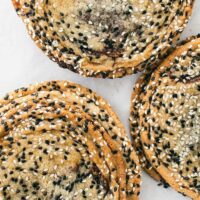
100	99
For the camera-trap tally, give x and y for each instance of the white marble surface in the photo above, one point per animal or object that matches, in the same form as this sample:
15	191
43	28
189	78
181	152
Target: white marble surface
22	63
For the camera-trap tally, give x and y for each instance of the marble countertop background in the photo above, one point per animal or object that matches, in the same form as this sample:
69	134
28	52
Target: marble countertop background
22	63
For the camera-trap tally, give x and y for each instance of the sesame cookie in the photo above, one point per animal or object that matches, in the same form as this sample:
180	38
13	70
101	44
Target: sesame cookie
168	117
108	38
60	140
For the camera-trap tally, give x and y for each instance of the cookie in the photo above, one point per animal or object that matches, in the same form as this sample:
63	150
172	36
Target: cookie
137	102
108	38
60	140
168	117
